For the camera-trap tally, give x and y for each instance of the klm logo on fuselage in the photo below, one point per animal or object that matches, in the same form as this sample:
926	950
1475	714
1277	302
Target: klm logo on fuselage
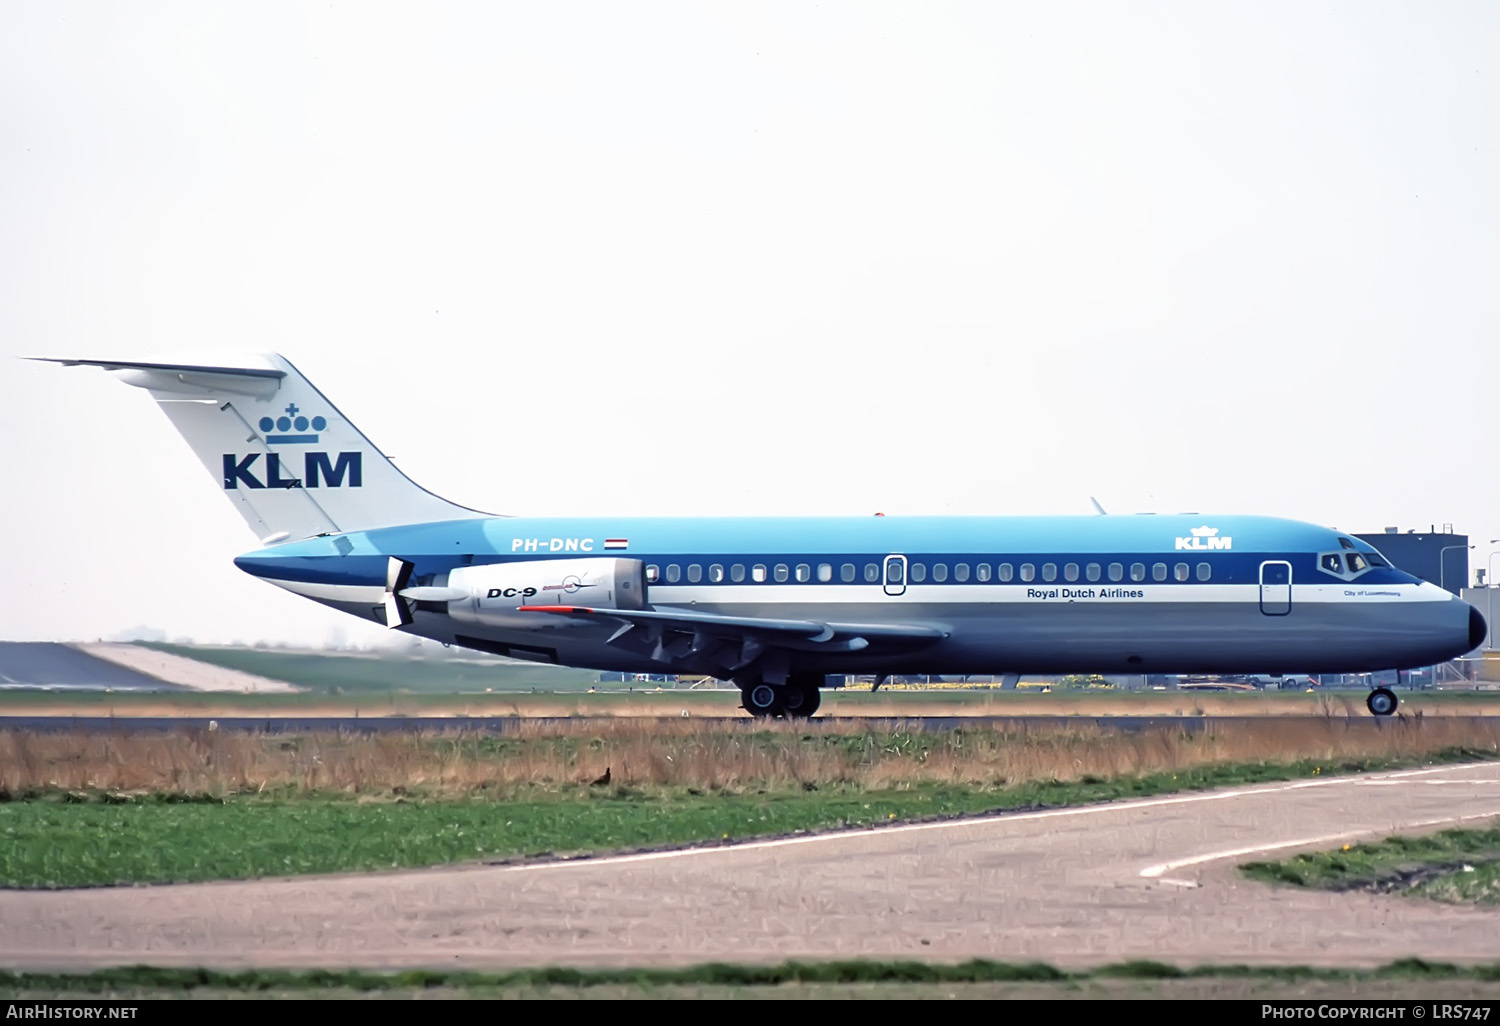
1205	539
319	470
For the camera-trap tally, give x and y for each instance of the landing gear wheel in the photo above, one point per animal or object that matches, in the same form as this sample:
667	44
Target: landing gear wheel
763	701
802	699
1382	701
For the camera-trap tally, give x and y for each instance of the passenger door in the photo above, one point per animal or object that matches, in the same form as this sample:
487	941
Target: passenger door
1276	587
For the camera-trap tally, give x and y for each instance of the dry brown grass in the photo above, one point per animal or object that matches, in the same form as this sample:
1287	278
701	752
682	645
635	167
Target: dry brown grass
668	754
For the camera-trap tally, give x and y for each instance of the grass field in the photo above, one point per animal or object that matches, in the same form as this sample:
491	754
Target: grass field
1458	866
82	808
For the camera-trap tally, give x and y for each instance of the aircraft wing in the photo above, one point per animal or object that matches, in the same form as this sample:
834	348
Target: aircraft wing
735	644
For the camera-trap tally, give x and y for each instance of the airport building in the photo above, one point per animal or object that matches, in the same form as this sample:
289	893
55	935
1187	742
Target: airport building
1441	557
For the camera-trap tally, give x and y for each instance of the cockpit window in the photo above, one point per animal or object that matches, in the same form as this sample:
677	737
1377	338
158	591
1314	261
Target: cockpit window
1348	565
1346	543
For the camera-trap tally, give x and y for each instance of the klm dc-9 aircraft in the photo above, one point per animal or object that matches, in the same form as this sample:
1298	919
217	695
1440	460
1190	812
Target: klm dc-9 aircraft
776	604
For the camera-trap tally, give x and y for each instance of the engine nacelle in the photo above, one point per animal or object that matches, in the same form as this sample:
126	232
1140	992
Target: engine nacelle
495	590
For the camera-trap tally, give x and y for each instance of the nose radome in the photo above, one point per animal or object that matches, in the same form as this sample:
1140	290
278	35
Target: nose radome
1479	631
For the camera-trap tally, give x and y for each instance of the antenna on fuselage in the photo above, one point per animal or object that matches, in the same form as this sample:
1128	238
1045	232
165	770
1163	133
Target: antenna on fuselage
1097	506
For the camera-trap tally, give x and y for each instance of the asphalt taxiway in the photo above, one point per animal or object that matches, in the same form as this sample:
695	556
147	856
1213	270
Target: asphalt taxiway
1076	887
33	665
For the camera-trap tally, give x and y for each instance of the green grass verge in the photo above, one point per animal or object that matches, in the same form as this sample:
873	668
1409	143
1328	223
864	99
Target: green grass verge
52	840
1459	865
144	978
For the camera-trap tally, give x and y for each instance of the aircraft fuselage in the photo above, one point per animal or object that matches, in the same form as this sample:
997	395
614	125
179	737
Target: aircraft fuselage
1027	595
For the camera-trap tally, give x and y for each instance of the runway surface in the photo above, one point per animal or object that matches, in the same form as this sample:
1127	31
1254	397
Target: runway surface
513	724
29	665
1077	887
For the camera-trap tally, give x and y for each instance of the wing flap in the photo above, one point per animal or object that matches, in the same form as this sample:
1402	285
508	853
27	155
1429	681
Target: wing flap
735	644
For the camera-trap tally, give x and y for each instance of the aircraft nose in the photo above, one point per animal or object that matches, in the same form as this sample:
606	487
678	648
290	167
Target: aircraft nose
1479	631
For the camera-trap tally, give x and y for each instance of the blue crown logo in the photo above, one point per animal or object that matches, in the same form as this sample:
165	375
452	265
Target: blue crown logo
292	421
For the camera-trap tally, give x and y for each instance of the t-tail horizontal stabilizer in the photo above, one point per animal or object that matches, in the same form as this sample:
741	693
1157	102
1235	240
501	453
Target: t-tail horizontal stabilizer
282	453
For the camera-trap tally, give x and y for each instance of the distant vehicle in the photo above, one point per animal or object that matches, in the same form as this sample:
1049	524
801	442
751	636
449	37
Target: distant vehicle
1284	682
773	605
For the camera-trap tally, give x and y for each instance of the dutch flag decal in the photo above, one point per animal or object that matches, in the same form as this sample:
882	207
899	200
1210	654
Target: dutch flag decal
616	543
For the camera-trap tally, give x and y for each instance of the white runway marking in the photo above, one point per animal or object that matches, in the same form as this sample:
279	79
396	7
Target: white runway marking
1254	849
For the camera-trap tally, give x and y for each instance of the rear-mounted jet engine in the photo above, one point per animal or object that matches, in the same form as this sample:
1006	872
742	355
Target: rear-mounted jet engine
488	595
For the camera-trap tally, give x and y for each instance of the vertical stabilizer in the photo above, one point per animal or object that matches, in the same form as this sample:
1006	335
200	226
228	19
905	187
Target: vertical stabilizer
282	453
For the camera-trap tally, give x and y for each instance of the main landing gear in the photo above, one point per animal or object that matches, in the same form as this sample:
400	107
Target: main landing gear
1382	702
797	699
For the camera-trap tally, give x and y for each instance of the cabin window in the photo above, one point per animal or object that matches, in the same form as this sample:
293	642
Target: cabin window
872	572
1049	571
804	573
940	572
961	572
1117	571
1070	572
737	573
781	572
758	573
982	572
1158	571
1093	571
695	573
1205	571
1180	571
825	572
1137	571
846	573
653	574
674	573
917	573
715	574
1028	572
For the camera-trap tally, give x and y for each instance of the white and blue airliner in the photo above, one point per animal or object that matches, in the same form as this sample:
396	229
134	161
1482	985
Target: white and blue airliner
776	605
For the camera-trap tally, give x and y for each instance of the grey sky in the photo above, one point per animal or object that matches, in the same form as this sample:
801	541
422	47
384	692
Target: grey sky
764	258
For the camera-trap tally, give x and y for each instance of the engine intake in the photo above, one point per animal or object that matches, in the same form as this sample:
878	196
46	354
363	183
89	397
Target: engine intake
493	591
